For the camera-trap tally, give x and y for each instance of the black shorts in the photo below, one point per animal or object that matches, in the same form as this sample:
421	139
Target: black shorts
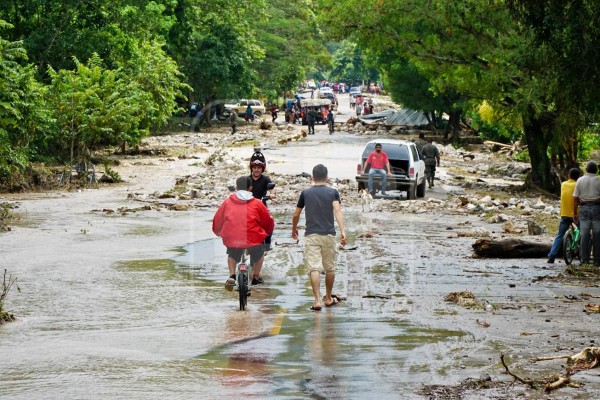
256	252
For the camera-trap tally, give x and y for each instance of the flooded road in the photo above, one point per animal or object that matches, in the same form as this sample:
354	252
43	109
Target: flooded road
133	306
97	322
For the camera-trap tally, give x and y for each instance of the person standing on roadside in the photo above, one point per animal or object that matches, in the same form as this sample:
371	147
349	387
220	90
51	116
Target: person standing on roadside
377	163
311	117
431	156
566	212
586	197
330	120
233	121
274	110
322	204
420	143
249	113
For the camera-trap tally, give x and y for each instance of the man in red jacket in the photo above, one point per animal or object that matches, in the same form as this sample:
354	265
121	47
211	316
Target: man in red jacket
243	222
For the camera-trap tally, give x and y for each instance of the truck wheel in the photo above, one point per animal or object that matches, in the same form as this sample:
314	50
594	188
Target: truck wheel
411	193
421	189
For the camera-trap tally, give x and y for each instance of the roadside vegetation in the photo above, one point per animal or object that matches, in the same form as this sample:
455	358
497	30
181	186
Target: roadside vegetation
5	216
7	283
80	76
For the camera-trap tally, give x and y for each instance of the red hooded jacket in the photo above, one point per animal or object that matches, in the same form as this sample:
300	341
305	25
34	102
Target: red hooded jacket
242	221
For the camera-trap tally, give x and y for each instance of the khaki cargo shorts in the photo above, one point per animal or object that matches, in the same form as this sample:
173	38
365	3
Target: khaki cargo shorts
320	252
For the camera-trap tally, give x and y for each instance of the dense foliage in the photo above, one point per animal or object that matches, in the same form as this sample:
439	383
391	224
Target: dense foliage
75	75
534	59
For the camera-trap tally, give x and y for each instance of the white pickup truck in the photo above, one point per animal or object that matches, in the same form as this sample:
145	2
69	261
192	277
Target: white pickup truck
408	170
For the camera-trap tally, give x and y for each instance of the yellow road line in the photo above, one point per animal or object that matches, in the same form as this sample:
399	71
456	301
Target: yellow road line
277	324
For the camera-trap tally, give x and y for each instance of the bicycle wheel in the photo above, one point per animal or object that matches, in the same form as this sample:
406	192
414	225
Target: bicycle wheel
569	247
243	289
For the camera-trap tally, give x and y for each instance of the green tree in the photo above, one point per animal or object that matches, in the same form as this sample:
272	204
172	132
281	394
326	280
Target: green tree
565	38
517	55
90	106
21	109
93	105
56	32
293	46
348	63
155	83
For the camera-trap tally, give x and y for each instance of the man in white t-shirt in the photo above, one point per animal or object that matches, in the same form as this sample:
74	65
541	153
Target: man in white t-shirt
586	198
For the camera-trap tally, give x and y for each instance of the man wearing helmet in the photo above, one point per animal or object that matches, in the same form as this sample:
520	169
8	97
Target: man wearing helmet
258	164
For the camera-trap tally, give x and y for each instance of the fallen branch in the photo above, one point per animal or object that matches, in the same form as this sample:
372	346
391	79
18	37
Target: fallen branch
560	382
474	271
525	381
589	295
376	296
588	358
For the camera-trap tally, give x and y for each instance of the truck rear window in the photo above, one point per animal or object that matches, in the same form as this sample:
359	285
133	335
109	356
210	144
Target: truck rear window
393	151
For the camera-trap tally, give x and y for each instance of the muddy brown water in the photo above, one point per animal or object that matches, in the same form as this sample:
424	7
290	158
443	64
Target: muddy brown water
133	306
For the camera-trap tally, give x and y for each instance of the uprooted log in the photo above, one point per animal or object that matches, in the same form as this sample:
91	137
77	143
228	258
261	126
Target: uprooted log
510	248
295	136
508	148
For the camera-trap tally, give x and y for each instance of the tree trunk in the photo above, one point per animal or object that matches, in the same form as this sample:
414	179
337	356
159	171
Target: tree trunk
453	126
430	120
456	125
511	248
538	134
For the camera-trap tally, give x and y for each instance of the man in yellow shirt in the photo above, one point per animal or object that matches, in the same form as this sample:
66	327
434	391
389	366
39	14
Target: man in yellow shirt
566	212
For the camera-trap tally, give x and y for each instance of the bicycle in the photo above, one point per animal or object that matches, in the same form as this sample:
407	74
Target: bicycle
242	268
242	274
572	244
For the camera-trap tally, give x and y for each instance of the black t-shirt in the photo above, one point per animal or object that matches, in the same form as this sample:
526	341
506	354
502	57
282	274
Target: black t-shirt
259	186
318	201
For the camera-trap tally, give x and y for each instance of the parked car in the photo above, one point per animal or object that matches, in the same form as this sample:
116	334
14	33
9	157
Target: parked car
258	108
408	170
355	91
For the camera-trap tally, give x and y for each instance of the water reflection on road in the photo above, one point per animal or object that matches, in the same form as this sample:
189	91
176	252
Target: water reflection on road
362	347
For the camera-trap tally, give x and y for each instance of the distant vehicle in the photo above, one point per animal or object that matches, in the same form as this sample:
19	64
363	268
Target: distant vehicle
320	105
325	92
408	170
355	91
258	108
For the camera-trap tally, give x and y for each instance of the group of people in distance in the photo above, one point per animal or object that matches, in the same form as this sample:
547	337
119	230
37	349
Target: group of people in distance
244	222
